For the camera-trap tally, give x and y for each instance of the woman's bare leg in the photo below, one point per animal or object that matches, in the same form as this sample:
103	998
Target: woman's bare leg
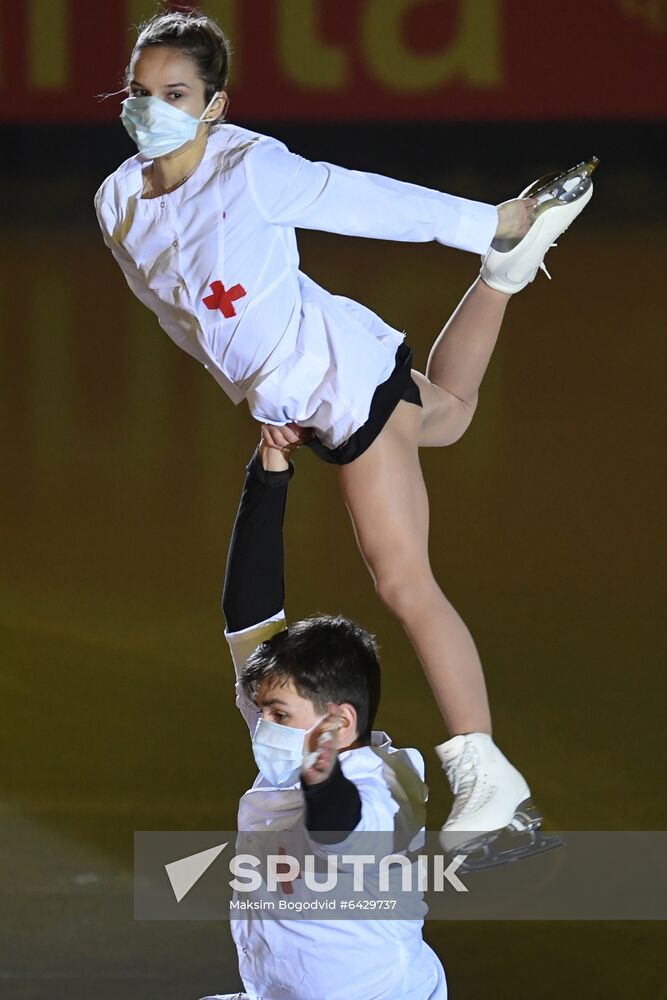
457	363
386	497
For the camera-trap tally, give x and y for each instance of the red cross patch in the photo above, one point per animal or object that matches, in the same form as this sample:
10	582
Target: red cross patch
286	887
222	299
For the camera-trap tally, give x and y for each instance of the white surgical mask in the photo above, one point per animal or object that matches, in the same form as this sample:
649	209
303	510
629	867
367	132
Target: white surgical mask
279	750
159	127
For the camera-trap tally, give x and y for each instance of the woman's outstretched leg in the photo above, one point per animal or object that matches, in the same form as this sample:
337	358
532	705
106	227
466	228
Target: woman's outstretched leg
457	363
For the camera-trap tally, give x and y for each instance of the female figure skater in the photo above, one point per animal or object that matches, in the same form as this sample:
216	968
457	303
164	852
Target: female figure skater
202	221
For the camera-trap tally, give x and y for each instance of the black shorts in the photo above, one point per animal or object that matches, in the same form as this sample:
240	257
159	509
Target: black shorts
399	385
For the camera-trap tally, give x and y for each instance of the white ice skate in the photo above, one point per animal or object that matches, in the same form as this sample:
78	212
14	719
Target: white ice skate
510	265
490	798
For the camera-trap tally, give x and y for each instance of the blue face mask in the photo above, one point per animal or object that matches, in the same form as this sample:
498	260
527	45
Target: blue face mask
157	126
278	751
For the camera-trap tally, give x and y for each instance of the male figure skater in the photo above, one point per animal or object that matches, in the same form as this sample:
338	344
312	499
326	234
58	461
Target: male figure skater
309	694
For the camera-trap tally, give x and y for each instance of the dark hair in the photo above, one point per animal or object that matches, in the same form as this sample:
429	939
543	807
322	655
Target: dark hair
327	659
195	34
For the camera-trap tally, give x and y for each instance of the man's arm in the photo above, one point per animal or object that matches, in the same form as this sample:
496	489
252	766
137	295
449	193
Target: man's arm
332	807
254	592
332	804
254	588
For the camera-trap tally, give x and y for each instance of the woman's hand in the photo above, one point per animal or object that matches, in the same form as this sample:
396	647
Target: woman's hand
286	438
515	218
321	751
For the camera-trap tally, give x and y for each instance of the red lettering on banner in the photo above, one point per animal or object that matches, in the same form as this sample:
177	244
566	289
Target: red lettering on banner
222	299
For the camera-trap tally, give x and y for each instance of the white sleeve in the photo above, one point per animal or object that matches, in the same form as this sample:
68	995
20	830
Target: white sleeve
241	645
378	807
292	191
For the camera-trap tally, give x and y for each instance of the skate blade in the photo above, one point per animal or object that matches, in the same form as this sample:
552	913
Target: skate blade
521	838
561	188
501	851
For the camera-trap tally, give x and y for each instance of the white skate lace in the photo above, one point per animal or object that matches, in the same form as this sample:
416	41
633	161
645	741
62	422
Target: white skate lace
468	785
543	266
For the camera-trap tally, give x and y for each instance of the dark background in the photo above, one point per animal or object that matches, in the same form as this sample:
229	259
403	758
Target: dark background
122	464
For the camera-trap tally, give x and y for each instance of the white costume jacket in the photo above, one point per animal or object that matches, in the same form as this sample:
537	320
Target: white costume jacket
216	260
